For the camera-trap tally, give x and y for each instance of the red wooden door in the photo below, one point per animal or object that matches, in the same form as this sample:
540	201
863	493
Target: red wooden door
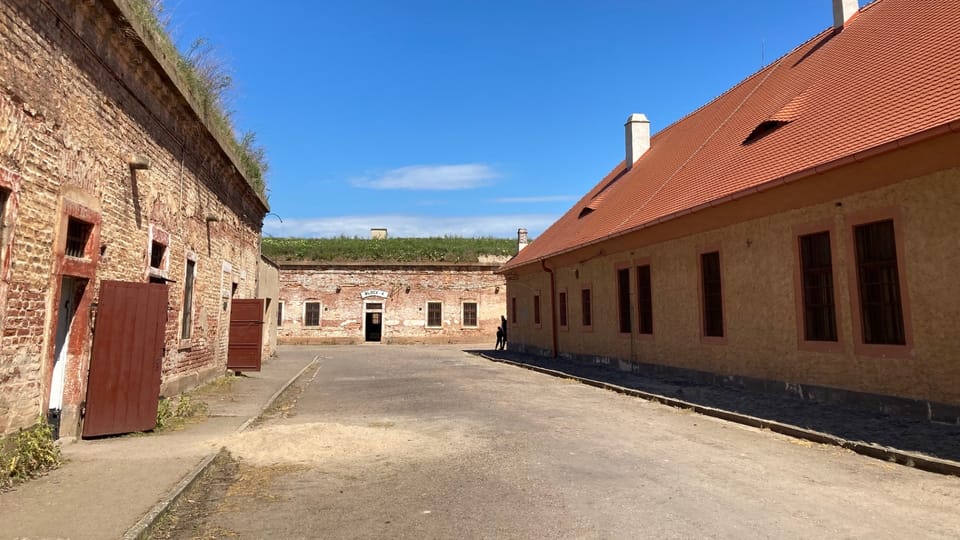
246	334
123	387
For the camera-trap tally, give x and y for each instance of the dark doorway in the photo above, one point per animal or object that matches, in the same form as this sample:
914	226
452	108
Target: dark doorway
374	326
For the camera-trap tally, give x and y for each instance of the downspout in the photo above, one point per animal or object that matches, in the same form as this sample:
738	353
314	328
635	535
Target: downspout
553	306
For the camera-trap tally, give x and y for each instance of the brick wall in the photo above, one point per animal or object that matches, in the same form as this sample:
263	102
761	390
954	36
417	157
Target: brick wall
79	94
339	290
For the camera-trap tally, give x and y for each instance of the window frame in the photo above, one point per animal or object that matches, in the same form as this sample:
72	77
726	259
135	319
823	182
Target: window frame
476	314
280	313
157	235
186	301
637	265
853	221
701	280
563	306
803	343
586	308
624	303
306	307
513	311
537	312
427	314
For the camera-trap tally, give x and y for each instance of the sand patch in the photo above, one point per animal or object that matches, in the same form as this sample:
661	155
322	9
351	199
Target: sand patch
342	444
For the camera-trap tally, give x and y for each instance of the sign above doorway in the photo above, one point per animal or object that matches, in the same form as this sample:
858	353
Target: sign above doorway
374	293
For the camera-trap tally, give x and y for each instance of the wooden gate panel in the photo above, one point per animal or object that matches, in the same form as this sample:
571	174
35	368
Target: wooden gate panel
246	334
123	386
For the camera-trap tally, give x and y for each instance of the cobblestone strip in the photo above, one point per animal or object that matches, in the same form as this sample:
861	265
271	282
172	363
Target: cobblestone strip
910	459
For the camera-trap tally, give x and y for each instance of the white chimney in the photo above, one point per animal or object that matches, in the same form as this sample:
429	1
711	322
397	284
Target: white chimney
521	239
843	10
638	137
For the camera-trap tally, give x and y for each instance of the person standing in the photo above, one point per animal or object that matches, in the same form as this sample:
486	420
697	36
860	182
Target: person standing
499	338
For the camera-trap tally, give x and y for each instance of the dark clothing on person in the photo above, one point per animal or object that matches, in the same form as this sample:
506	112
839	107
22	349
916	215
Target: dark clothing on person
499	344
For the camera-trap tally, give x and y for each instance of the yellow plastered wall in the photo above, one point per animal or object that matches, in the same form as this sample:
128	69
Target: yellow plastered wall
759	278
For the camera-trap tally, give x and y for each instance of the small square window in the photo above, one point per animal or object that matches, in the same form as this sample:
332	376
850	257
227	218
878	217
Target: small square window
78	234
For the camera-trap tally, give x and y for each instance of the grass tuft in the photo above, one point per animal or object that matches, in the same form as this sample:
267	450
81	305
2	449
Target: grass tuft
29	453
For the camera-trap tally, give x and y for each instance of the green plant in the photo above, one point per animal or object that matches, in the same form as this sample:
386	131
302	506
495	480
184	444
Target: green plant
436	249
29	453
210	84
172	416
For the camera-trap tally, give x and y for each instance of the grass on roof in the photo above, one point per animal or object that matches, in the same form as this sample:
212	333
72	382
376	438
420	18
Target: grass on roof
344	249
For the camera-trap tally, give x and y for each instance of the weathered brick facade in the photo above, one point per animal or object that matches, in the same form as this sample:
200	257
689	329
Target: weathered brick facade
83	94
351	296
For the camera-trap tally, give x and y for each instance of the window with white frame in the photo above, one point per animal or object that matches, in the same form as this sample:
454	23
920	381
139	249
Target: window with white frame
470	314
311	314
434	314
279	314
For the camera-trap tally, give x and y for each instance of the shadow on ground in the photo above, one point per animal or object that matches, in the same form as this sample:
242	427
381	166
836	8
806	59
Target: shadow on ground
929	438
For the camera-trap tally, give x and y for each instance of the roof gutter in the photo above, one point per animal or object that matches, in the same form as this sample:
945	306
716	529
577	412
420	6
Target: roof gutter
856	157
553	306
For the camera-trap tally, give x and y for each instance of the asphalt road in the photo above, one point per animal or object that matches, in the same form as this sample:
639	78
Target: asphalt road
430	442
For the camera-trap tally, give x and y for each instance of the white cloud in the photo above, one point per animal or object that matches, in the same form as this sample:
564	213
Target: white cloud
499	226
530	200
431	177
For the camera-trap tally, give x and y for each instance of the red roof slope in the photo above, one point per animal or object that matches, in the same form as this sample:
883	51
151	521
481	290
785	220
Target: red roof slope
892	72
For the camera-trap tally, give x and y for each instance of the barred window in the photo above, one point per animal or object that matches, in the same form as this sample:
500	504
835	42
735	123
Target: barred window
78	234
434	314
878	279
470	314
311	314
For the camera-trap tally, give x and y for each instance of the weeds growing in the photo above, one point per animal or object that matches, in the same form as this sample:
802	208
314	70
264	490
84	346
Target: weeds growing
28	454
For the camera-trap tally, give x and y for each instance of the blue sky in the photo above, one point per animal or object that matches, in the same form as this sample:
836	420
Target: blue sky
469	118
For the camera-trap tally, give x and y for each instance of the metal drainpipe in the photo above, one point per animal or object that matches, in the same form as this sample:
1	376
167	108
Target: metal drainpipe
553	305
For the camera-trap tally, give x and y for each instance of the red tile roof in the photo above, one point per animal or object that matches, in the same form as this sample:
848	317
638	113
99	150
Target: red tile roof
892	73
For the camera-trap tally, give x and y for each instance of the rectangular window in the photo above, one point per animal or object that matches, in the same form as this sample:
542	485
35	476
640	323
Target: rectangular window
536	309
311	314
513	309
562	305
712	294
816	273
623	299
586	310
157	252
78	233
881	313
187	319
470	314
434	314
644	299
4	197
279	314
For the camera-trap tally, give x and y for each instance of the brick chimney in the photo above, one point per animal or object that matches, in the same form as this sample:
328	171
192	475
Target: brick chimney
521	239
638	137
842	11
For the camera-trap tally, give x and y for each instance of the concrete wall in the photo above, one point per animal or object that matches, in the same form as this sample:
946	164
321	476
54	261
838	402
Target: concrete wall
759	265
339	289
78	96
